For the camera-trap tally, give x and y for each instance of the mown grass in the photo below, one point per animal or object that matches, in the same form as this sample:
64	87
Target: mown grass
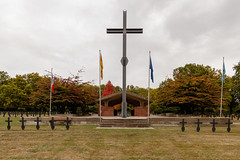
87	142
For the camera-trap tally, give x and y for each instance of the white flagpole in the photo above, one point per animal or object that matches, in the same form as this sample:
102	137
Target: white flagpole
50	110
221	93
100	102
149	86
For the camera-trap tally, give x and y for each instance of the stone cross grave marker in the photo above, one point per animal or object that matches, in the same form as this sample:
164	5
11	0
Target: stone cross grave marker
8	126
67	125
213	125
198	125
37	126
23	126
229	123
124	59
52	123
183	128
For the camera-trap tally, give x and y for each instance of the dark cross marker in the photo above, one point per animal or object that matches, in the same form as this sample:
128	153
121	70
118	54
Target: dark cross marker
8	126
183	128
67	125
37	126
213	127
21	114
9	114
22	126
232	117
52	123
198	125
4	114
15	113
229	123
39	113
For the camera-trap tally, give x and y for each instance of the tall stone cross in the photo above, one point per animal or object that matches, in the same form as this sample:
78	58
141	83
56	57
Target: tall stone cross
124	59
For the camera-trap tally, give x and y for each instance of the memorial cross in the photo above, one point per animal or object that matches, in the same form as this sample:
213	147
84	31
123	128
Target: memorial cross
22	126
15	113
37	126
21	114
52	123
213	123
4	114
198	125
67	125
8	126
39	113
124	59
183	128
229	123
9	114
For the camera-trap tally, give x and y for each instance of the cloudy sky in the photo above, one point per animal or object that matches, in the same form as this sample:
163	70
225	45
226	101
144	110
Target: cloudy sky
66	35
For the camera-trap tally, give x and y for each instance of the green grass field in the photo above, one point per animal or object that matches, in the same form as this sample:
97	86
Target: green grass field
87	142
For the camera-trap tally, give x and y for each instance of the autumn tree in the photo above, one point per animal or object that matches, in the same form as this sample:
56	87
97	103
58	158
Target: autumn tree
236	87
194	88
109	89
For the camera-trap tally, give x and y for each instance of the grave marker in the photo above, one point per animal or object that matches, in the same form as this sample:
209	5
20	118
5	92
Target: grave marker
213	123
198	125
52	123
37	126
183	128
8	126
228	123
22	126
67	125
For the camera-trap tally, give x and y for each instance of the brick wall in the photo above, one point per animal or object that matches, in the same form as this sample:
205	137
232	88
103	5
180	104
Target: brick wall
107	111
140	111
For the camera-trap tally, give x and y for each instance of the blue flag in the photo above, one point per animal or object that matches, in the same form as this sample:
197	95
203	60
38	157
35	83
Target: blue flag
224	71
151	68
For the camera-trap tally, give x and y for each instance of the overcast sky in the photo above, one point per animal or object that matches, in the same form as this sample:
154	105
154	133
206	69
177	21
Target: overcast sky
66	35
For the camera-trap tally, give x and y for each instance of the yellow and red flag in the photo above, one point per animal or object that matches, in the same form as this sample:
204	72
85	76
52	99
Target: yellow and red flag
101	66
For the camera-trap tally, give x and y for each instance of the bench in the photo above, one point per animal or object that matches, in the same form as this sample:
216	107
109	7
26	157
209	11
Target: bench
60	120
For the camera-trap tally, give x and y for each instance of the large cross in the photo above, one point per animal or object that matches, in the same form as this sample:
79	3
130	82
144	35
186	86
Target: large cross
124	59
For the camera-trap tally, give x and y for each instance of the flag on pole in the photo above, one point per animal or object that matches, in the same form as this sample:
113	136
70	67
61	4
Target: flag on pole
101	66
151	68
224	71
52	84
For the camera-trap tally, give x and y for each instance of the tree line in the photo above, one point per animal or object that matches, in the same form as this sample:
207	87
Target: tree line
194	88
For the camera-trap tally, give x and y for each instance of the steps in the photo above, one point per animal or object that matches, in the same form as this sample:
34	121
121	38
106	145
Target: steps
124	122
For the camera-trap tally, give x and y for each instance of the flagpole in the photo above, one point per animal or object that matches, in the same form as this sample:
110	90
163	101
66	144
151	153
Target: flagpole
50	110
100	102
221	92
149	86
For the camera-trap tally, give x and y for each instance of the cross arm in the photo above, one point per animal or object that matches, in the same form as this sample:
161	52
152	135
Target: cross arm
120	30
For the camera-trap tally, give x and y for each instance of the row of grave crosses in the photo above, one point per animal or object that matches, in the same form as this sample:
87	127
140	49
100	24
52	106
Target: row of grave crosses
38	121
213	125
37	113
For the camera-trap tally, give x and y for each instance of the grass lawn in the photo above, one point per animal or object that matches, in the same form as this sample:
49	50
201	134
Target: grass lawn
87	142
